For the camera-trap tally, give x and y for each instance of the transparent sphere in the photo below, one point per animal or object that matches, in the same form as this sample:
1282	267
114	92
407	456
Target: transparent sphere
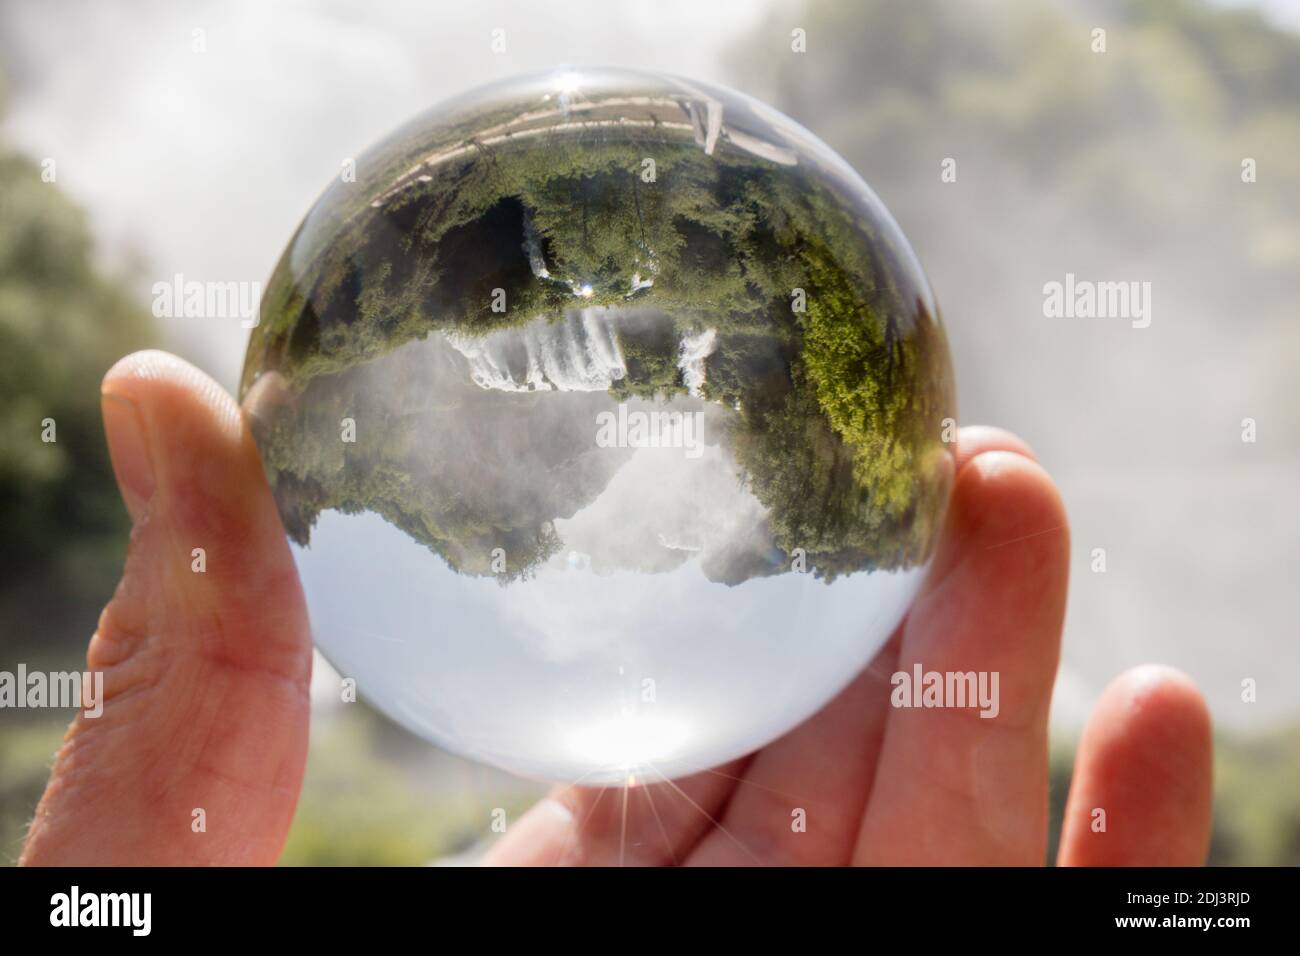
605	414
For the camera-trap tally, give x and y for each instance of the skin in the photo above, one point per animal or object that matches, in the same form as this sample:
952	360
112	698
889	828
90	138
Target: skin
206	685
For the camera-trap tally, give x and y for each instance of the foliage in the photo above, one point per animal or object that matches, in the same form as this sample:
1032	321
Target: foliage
62	324
360	807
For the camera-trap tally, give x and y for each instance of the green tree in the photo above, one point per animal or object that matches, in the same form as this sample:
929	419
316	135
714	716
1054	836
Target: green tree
62	324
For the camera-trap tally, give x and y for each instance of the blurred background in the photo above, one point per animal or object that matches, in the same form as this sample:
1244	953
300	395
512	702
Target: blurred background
1125	165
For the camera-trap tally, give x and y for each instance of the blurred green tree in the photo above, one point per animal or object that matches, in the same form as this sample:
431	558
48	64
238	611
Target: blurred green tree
1117	159
62	324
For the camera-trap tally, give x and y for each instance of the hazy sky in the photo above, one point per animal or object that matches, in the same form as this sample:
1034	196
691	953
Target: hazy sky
203	164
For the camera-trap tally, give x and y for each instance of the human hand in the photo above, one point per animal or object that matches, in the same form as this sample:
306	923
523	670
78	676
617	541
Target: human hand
905	787
206	687
205	674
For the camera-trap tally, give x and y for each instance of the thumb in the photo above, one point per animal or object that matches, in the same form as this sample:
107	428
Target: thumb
198	753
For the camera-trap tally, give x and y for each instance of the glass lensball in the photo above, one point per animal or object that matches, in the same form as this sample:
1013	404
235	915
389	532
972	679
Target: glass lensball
605	413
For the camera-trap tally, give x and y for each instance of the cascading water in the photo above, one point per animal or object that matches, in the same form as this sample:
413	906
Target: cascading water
578	353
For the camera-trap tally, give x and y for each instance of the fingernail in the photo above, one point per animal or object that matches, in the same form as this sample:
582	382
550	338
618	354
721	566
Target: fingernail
128	447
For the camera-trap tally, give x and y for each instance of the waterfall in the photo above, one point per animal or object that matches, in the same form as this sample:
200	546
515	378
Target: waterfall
533	248
579	353
695	350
